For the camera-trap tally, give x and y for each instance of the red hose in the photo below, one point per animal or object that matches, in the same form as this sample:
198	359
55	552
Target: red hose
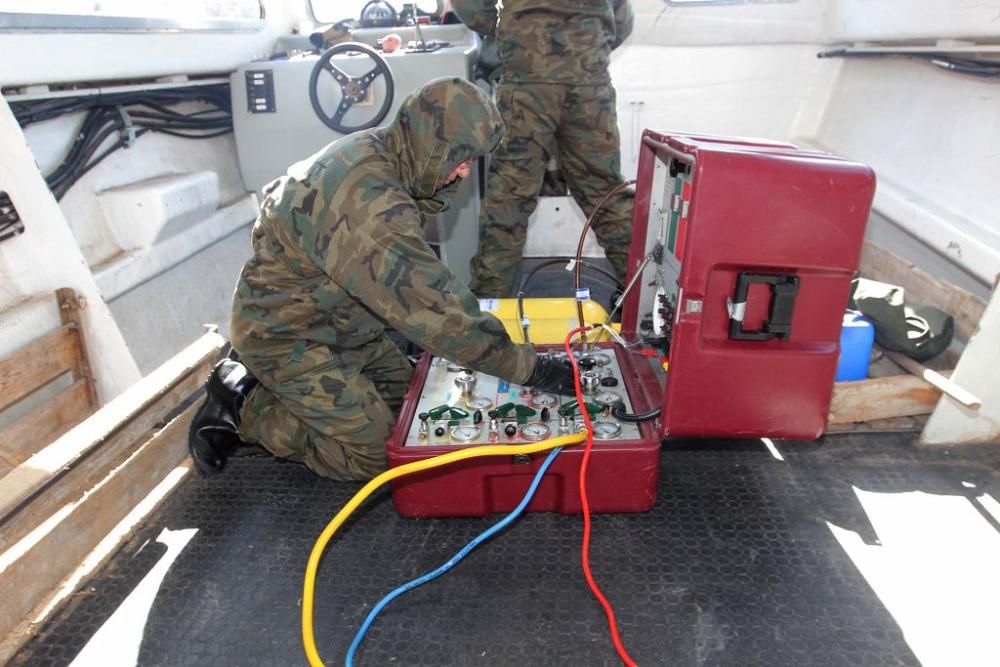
585	547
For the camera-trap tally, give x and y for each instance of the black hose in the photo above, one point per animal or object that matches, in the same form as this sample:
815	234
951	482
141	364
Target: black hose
536	269
618	412
108	114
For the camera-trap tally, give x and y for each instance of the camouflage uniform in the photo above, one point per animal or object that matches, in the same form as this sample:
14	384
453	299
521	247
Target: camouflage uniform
555	96
339	253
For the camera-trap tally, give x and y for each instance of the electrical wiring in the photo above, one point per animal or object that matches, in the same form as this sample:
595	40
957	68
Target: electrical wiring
309	583
585	545
531	274
579	246
128	115
981	67
451	562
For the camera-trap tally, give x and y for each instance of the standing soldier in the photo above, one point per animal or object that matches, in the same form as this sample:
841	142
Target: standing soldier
338	254
555	91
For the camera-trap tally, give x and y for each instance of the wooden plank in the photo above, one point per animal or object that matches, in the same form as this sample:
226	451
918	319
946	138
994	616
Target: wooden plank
953	423
111	433
947	387
885	266
40	427
70	306
37	363
890	425
881	398
31	571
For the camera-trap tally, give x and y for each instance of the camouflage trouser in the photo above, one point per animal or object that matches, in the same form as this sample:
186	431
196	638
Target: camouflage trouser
581	123
331	410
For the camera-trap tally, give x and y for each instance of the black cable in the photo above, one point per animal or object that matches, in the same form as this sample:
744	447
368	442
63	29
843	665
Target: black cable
981	67
618	412
129	114
536	269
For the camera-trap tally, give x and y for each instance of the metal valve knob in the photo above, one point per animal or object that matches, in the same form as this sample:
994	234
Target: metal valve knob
590	381
466	382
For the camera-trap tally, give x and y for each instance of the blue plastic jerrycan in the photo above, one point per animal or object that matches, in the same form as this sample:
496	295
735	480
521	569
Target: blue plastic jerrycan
856	338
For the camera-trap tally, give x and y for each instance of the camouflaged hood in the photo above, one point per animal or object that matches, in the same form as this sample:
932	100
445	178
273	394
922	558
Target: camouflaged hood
441	124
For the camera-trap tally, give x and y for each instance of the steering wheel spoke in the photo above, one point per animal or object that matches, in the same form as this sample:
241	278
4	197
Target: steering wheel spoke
340	75
352	88
369	76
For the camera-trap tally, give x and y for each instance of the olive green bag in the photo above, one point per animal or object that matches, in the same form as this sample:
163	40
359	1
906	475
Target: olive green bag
918	331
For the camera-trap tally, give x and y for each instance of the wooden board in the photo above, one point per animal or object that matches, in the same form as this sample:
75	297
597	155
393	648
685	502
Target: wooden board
881	398
885	266
37	363
33	569
37	429
111	434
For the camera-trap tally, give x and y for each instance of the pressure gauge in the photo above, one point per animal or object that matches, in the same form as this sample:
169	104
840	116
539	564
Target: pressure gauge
607	430
479	403
464	433
533	432
608	398
543	401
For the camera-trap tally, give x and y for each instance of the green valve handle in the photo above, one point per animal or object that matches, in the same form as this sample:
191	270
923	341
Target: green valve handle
570	408
520	411
453	413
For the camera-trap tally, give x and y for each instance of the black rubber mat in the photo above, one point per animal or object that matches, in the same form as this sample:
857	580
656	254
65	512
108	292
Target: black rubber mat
735	565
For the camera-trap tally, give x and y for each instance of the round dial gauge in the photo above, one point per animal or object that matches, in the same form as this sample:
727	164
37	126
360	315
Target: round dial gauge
543	401
464	433
479	403
534	431
606	397
606	430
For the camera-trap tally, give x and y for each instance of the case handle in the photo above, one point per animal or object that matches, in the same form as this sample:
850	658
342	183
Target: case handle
784	289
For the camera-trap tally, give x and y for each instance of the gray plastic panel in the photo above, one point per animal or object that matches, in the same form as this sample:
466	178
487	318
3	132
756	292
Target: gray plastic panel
268	143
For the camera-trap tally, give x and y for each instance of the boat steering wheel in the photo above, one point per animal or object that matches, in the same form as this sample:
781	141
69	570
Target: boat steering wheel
353	89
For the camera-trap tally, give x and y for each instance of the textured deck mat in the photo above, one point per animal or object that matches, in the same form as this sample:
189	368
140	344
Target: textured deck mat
736	565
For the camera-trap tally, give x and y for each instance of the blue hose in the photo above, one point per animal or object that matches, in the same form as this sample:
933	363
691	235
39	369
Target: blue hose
451	562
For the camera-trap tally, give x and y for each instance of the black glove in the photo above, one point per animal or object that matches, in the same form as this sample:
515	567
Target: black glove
552	375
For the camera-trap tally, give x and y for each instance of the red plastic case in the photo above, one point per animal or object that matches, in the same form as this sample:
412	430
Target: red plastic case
771	219
622	474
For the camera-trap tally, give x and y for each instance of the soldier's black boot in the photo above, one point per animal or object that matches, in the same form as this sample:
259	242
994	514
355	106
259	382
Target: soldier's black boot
214	432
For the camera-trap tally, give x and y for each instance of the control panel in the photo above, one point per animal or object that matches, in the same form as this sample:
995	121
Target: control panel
458	406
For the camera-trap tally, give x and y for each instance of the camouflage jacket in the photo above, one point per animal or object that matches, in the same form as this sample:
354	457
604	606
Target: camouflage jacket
551	41
339	249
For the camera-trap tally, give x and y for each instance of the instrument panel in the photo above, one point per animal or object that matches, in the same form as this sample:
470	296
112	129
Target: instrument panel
461	407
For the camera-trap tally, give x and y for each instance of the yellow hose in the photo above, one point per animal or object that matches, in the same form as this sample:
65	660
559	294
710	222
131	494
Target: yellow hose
309	587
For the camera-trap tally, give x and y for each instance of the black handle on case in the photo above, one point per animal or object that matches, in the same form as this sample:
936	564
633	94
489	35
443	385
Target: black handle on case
784	289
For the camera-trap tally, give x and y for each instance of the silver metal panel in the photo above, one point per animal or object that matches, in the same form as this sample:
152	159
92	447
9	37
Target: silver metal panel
440	389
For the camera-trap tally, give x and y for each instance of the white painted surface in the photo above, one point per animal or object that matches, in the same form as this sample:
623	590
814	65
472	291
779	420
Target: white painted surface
976	371
759	91
117	642
864	20
661	24
934	569
153	156
44	258
52	57
139	213
554	230
932	138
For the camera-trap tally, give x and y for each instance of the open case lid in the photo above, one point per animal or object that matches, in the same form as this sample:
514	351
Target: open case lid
747	249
